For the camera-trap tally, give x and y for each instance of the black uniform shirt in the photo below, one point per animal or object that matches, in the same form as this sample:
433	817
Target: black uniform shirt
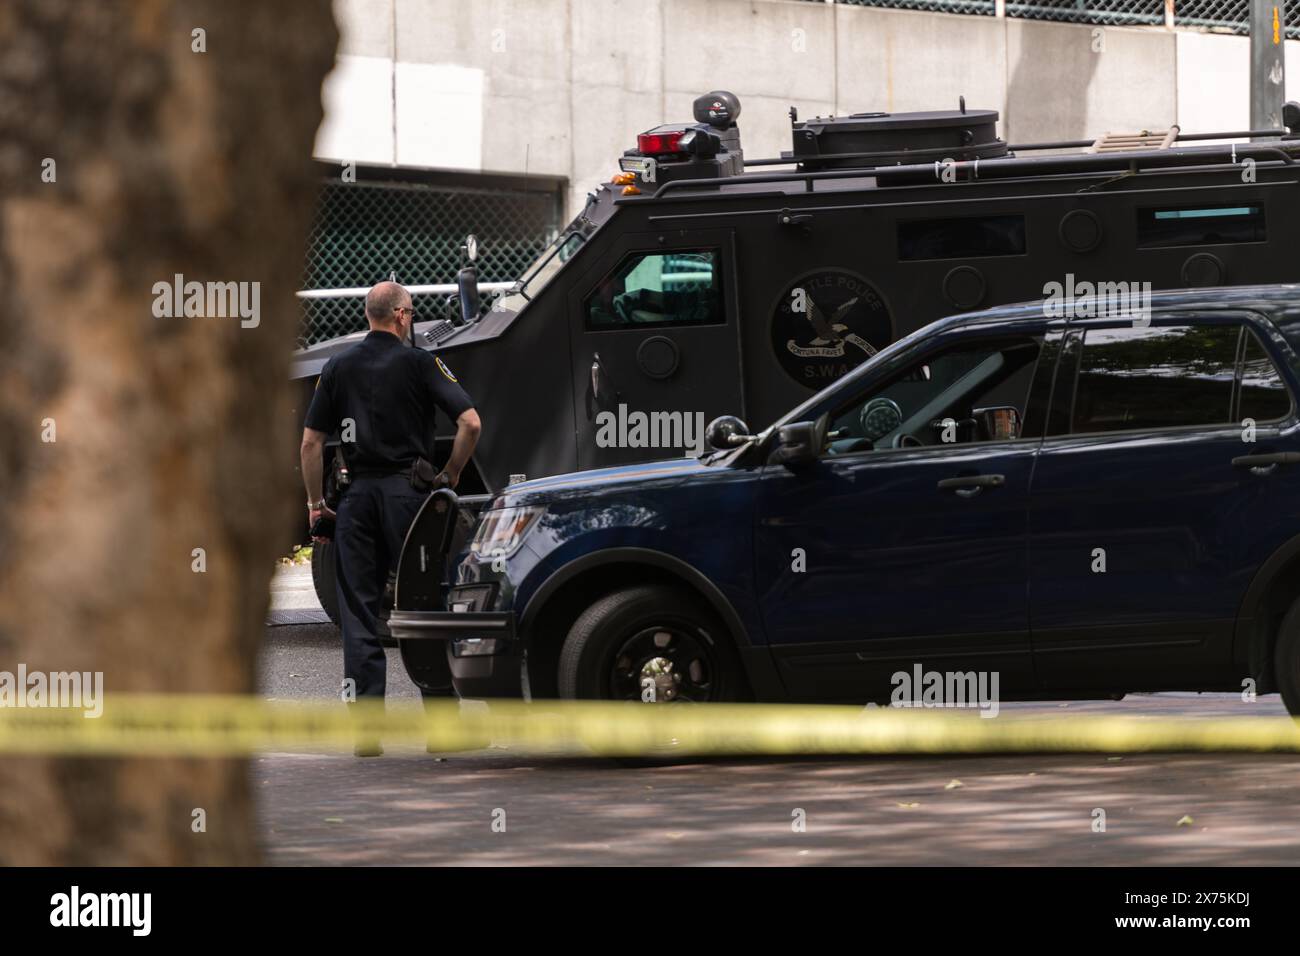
390	391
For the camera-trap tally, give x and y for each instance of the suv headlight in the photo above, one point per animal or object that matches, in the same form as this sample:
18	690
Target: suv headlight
503	530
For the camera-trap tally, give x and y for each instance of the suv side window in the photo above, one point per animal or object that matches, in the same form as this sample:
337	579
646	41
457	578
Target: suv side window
1263	395
973	392
1133	378
657	289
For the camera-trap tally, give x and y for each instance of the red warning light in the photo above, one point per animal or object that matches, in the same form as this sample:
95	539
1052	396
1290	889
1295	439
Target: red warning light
656	144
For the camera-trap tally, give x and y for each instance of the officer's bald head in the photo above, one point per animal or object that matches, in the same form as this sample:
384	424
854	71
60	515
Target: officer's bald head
382	303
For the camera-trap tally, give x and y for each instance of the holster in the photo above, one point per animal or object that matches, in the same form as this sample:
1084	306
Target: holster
423	475
338	479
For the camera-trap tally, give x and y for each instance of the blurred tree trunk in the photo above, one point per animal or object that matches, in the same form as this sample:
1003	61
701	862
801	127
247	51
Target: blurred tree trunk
171	434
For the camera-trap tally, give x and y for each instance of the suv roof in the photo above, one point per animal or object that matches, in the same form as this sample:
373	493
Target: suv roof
1270	298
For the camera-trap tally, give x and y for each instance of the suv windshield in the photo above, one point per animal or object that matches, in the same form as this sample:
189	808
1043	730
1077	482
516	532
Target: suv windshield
944	398
800	411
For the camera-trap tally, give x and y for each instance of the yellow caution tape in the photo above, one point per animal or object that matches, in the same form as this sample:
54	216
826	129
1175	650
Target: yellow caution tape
204	726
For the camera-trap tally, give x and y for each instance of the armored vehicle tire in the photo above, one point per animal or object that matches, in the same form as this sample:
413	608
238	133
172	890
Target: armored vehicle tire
652	643
324	580
1286	659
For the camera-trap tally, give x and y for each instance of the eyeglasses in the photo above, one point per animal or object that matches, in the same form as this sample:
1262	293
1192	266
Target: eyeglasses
405	308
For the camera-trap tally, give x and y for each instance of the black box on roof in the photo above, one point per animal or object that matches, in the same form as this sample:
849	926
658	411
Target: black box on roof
888	139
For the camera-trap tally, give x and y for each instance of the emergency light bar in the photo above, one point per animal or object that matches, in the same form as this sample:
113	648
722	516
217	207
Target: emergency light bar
655	143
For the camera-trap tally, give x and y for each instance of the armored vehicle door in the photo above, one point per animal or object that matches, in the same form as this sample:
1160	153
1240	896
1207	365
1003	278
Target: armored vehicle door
655	346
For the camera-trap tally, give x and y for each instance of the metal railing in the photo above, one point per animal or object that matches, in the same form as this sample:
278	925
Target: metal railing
443	288
431	302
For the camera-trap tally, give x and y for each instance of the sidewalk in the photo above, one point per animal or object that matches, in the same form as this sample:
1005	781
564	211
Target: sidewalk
293	597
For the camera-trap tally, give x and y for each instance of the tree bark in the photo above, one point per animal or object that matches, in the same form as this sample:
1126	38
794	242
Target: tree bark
170	434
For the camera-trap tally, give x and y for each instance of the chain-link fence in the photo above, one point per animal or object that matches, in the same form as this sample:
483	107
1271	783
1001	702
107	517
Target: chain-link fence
975	7
1231	16
1104	12
373	227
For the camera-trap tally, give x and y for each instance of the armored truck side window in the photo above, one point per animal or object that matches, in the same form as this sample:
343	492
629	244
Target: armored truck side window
965	238
657	289
1201	226
1262	395
1133	378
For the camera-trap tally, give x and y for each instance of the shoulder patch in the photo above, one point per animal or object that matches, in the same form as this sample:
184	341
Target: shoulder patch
442	367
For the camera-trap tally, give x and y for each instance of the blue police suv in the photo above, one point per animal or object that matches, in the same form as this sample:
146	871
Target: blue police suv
1085	505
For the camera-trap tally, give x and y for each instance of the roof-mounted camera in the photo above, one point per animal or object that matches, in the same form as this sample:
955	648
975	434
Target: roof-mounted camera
1291	117
719	109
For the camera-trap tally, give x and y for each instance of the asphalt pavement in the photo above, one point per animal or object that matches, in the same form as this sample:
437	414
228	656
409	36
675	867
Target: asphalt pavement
494	807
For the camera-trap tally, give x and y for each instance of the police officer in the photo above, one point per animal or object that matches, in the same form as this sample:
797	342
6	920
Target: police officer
381	396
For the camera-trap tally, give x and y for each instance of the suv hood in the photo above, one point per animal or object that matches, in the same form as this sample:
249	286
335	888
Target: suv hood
541	490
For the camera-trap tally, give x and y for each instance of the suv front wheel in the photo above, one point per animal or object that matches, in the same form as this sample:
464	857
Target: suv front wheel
324	578
652	643
1286	660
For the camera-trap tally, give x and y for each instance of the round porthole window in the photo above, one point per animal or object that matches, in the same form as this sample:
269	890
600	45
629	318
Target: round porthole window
1080	230
658	357
1204	269
964	287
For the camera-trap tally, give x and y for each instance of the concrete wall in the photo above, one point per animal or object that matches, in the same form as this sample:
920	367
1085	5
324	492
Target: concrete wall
562	87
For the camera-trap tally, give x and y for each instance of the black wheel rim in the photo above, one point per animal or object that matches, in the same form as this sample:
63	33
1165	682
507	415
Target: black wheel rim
663	664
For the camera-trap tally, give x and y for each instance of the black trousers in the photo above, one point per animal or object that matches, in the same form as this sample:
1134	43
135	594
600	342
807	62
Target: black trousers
373	518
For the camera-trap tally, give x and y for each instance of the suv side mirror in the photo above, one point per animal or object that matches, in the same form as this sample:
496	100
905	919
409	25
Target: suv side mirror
726	432
998	422
798	443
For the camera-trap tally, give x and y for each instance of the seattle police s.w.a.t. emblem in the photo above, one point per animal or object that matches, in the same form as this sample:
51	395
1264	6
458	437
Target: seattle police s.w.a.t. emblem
826	323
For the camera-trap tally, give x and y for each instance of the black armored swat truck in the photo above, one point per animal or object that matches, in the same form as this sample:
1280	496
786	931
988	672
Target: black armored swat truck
698	282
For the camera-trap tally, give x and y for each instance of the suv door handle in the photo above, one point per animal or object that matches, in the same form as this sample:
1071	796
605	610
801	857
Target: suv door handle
968	486
1263	464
